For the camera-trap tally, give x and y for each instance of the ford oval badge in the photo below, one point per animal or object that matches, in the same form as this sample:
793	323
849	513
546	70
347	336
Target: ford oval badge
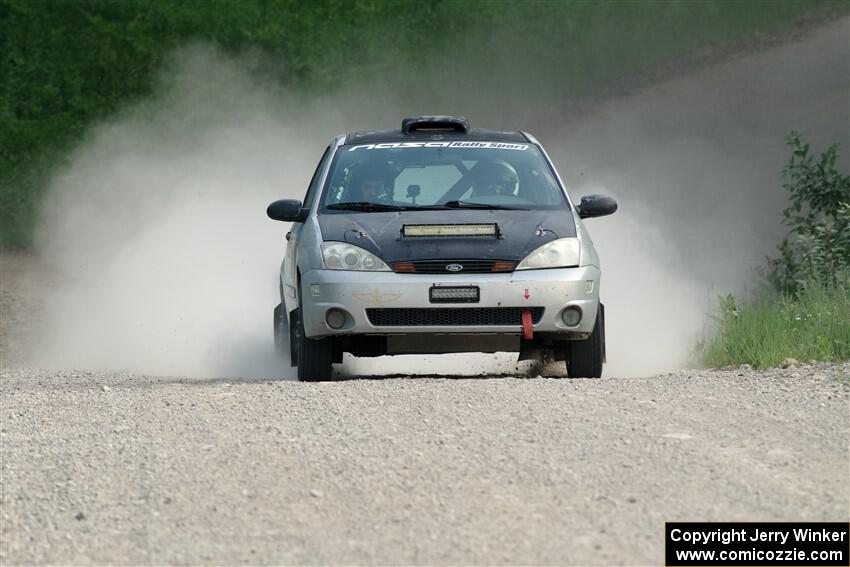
454	267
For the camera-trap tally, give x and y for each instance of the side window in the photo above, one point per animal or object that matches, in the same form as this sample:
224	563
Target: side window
313	189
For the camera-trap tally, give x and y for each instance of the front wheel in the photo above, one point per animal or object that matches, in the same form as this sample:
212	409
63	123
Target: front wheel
586	357
315	356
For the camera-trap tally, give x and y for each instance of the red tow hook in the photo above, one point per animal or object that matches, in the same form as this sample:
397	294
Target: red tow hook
527	328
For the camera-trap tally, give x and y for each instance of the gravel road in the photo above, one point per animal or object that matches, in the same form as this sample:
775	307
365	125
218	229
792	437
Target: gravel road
111	468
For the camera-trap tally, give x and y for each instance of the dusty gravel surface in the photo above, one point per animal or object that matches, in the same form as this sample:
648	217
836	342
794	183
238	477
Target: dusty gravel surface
110	468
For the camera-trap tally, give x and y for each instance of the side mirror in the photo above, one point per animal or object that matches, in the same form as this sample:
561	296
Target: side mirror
287	210
596	206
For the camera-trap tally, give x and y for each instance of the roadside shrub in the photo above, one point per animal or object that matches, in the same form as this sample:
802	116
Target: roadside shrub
817	249
804	313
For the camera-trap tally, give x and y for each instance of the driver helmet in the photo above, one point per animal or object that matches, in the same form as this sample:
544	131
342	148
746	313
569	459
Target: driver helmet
497	179
368	184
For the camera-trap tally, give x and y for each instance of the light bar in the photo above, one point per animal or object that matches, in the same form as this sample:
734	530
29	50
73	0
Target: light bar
440	294
449	230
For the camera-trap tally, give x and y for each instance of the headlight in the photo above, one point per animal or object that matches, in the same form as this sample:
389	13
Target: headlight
561	253
342	256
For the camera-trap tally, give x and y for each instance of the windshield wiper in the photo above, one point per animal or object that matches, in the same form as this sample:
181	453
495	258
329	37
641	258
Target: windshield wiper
469	205
365	206
369	207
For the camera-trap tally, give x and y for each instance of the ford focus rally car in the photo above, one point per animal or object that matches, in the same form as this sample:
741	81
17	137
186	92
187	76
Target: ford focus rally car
438	238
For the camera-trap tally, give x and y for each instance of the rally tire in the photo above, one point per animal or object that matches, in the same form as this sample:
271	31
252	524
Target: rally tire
586	357
293	337
315	356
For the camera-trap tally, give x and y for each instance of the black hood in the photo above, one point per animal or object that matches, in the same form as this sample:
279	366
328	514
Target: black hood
520	232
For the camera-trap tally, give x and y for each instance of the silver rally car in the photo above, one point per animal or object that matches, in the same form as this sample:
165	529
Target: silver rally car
438	238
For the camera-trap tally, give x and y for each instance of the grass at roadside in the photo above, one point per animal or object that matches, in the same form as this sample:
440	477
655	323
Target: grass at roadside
814	325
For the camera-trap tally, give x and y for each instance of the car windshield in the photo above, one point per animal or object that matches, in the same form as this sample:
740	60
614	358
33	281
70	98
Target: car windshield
440	175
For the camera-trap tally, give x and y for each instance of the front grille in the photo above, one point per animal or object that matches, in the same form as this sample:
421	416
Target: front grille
450	316
470	266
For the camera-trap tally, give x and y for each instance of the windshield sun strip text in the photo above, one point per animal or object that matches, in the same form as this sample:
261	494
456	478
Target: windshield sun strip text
454	144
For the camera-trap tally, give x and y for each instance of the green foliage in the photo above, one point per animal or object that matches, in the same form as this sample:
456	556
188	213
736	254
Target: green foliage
818	248
812	325
805	314
64	65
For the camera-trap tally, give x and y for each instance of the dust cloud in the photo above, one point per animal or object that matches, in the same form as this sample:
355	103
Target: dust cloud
158	232
695	164
167	263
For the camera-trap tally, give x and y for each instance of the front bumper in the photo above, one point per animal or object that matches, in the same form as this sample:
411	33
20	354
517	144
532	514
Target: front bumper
355	292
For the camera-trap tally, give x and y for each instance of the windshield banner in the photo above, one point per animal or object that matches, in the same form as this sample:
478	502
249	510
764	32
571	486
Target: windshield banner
455	144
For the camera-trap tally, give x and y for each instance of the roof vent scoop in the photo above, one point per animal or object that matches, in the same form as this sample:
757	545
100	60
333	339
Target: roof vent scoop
434	123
